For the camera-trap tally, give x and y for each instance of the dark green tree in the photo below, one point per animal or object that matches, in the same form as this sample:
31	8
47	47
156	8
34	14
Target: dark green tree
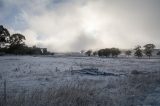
138	52
107	52
100	52
17	45
4	36
148	49
17	39
115	52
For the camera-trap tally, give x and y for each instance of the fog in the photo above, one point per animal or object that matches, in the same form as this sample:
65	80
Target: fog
74	25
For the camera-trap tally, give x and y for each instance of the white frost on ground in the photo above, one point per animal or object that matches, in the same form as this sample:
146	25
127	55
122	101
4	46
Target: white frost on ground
31	72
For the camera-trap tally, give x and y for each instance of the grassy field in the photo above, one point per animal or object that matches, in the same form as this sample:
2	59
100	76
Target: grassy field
43	81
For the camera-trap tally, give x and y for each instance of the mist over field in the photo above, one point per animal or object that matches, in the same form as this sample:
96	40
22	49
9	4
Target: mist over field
98	23
79	53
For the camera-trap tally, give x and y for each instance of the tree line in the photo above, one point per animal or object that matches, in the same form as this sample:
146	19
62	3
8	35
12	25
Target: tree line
115	52
107	52
14	44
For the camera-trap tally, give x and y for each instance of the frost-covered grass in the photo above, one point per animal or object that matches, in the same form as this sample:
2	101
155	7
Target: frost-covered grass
47	81
130	91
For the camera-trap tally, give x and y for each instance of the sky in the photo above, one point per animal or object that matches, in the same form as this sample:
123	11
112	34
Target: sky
75	25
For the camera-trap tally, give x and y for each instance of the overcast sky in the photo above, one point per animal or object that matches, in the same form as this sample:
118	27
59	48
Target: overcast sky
74	25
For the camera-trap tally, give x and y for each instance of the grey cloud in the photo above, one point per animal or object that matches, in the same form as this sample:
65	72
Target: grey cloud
58	24
1	4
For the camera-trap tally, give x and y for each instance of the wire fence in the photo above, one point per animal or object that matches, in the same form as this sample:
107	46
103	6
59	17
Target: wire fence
3	92
9	89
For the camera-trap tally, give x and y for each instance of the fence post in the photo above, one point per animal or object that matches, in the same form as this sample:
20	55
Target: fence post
5	93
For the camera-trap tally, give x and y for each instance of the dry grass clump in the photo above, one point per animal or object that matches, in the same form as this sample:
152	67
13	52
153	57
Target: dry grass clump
66	95
133	90
126	91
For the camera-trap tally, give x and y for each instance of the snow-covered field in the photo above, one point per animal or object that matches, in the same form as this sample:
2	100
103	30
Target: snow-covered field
24	74
31	72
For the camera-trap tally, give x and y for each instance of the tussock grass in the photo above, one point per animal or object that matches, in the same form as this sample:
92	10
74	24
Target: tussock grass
128	91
